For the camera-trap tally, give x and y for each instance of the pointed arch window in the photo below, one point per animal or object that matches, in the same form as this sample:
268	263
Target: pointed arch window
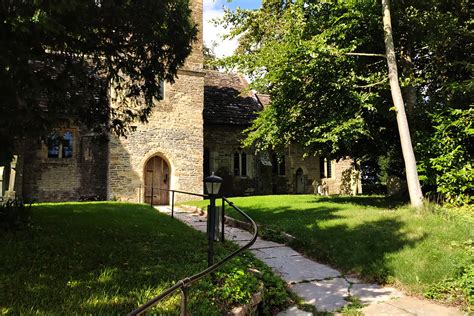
67	145
60	145
240	164
54	144
325	167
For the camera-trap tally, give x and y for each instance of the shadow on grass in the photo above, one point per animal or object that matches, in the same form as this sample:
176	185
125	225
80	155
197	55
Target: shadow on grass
100	259
281	214
363	248
374	201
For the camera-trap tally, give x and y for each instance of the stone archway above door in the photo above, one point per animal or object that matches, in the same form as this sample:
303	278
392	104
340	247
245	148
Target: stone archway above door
157	176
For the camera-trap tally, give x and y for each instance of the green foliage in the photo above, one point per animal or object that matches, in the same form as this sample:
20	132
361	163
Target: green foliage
236	284
448	160
272	232
338	104
106	258
65	55
375	237
300	60
14	214
459	287
354	308
209	58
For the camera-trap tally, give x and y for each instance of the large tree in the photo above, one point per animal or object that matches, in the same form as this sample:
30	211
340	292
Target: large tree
323	63
414	188
58	59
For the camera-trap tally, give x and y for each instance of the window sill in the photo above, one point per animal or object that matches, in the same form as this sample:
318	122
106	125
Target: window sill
58	160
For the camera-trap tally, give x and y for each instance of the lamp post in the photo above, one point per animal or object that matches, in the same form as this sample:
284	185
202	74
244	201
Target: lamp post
213	185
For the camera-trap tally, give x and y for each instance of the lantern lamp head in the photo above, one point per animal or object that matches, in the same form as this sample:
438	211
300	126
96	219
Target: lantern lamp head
213	184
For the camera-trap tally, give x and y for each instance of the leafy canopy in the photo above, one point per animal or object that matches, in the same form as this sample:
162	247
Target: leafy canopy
58	59
322	64
297	52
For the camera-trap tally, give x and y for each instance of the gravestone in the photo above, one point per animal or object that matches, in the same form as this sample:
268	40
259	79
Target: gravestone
10	193
1	182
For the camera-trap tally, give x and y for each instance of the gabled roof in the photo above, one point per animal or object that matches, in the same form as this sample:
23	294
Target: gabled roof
224	100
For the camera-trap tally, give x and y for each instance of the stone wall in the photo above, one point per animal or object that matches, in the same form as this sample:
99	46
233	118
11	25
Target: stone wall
309	165
344	179
174	132
195	59
222	141
83	176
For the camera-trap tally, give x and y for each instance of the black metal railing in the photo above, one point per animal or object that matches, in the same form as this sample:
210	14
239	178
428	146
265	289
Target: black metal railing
185	283
173	193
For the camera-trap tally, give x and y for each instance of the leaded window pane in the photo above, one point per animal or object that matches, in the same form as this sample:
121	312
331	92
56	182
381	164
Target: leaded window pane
53	145
244	165
236	164
67	145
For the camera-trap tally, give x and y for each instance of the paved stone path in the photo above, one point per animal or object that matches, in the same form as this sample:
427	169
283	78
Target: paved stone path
318	284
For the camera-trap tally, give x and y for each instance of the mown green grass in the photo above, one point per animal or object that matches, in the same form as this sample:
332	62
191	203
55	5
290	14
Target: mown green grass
107	258
376	238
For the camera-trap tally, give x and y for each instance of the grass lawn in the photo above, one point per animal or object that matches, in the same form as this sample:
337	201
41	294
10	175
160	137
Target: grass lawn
376	238
106	258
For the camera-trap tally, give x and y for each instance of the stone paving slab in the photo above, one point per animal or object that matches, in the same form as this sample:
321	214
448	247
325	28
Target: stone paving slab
202	228
258	254
235	234
410	306
373	293
260	243
423	307
385	309
298	268
193	221
189	219
327	295
279	252
319	284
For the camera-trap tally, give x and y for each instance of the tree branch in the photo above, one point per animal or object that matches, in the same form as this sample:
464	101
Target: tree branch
372	84
366	54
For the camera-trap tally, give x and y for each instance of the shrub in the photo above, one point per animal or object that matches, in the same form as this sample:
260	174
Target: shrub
374	189
236	285
447	156
14	213
459	287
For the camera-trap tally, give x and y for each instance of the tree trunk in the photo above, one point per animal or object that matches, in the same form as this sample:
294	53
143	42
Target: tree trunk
409	92
414	188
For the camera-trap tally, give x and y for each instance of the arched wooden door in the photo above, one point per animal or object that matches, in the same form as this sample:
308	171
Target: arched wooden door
157	177
299	181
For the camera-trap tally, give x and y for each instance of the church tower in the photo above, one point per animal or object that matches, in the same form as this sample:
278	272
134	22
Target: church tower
167	152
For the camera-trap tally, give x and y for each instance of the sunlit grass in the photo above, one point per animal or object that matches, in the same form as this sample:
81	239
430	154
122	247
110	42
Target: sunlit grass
105	259
376	238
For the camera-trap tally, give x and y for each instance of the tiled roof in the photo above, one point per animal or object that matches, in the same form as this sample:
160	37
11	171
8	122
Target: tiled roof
224	100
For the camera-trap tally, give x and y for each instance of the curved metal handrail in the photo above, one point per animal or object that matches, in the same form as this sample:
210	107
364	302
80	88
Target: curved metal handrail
183	284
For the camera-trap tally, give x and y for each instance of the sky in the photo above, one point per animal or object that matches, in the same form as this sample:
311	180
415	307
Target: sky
212	34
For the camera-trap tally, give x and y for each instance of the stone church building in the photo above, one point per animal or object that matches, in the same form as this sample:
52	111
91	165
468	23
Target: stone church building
194	130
